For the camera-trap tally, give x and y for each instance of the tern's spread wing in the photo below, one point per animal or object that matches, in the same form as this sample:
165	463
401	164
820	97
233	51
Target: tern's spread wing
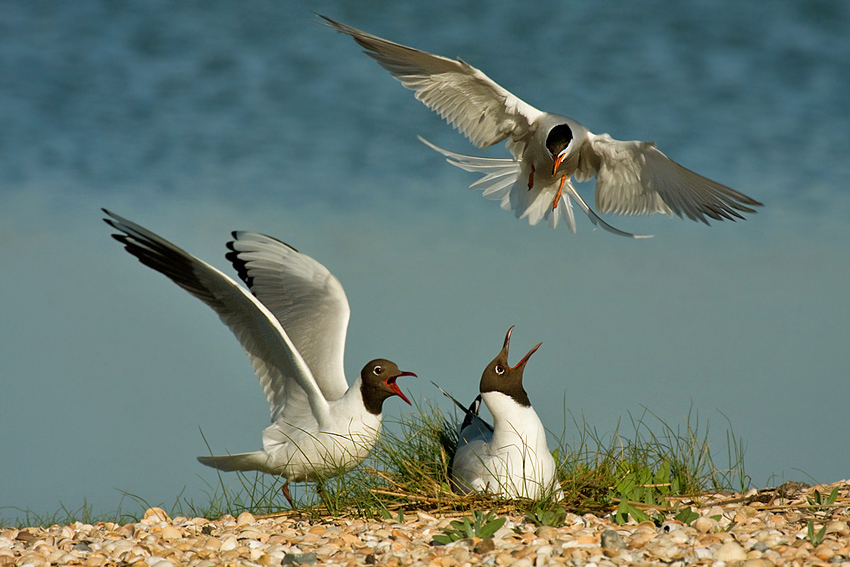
468	99
636	178
283	373
305	297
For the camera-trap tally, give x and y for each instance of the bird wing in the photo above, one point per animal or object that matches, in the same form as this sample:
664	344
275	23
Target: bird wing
468	99
304	296
503	180
636	178
470	414
283	373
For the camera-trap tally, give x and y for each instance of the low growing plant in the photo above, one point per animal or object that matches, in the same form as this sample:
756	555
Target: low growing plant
815	537
478	525
547	517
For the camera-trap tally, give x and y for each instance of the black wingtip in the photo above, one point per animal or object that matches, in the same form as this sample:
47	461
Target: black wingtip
238	264
108	221
472	413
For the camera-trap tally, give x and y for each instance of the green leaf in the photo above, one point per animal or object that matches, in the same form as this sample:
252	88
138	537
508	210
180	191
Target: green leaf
816	538
626	486
686	516
662	475
833	496
638	514
491	528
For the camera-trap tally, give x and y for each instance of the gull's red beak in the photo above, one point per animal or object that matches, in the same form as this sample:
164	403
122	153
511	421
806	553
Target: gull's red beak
558	159
526	357
394	387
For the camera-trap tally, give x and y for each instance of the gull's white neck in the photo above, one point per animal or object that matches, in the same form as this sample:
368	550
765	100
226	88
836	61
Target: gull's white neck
514	424
350	409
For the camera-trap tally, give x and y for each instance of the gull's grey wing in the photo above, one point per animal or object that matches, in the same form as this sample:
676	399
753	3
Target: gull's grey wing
468	99
304	296
283	373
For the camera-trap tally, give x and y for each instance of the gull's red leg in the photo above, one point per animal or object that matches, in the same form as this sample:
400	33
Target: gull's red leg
285	490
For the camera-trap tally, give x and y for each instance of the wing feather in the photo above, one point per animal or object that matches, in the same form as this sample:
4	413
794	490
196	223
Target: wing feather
284	375
464	96
304	296
636	178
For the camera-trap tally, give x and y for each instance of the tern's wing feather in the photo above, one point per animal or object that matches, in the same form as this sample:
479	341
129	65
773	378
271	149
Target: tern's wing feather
283	373
468	99
636	178
305	297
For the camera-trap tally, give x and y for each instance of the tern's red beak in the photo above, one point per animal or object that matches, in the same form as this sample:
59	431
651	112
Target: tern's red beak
394	387
558	159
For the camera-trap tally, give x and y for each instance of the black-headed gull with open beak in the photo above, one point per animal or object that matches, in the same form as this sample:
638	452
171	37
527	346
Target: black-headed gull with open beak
511	458
632	177
292	324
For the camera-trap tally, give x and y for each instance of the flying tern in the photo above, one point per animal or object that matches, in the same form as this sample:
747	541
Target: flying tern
549	150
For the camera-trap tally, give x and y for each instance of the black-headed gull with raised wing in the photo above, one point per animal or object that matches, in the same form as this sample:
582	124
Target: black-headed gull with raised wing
632	177
292	324
511	458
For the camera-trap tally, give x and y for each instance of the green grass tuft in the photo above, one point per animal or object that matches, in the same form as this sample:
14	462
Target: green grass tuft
625	475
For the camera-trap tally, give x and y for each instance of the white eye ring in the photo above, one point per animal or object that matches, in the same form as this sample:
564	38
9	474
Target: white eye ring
499	369
377	370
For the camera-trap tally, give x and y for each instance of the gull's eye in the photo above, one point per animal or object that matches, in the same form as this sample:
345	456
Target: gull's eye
500	369
378	370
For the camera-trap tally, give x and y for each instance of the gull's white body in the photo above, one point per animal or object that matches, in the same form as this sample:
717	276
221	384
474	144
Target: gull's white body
512	460
303	448
292	324
632	177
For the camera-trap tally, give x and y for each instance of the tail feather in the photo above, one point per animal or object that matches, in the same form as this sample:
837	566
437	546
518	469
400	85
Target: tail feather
499	175
502	179
255	461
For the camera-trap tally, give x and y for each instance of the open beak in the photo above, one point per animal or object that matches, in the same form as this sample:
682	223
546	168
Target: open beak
394	387
558	159
508	340
526	357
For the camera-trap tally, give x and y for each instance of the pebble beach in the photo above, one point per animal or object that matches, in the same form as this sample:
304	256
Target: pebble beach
757	529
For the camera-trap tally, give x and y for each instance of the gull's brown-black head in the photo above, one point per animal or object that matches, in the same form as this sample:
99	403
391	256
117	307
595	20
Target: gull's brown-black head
377	383
499	376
